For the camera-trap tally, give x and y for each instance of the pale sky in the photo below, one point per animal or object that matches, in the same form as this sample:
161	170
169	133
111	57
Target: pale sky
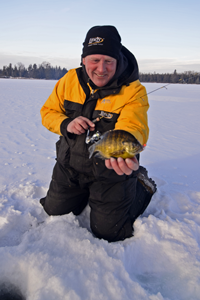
163	35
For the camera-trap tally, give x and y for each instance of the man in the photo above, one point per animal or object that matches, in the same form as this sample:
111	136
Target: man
106	88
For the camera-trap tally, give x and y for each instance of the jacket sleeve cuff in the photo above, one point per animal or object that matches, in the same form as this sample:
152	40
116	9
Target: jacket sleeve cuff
63	127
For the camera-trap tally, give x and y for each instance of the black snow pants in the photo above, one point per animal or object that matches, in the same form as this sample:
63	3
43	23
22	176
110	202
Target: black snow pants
115	202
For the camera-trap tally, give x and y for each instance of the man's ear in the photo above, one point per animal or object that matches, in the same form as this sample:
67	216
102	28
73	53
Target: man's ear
83	60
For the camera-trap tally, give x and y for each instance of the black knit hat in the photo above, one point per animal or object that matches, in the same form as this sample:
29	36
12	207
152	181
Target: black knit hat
102	40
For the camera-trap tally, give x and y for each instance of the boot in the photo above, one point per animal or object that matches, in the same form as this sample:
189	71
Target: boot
147	182
146	187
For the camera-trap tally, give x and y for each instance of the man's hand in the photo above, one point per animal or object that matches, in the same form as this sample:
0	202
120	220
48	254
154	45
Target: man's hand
121	166
79	125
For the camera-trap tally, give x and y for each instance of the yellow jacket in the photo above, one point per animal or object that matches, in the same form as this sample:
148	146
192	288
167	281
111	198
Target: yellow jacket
123	104
127	108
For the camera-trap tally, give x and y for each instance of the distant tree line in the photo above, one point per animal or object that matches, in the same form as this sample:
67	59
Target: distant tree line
43	71
186	77
46	71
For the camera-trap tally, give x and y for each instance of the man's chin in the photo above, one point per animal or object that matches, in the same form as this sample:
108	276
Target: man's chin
100	82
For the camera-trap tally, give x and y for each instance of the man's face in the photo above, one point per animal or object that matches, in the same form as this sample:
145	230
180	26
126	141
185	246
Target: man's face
100	68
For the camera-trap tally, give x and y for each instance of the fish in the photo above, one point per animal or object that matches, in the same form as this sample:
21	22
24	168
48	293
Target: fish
116	143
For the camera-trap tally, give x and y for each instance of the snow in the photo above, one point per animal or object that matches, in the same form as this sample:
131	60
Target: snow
48	258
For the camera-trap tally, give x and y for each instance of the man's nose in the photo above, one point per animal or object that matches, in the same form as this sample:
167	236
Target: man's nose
101	66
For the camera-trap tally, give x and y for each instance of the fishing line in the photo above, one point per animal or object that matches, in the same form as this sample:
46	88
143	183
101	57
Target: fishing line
141	97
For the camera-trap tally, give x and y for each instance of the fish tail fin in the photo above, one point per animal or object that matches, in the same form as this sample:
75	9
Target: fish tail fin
91	150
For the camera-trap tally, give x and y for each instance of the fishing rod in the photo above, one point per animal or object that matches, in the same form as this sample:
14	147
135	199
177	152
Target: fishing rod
164	86
96	136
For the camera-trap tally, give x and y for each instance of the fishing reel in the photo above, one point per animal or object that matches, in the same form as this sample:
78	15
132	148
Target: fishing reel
97	135
94	138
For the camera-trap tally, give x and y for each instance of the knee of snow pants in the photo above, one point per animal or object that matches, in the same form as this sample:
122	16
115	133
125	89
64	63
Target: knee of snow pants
111	203
64	194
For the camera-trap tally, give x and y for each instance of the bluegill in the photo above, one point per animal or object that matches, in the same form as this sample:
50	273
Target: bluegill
116	143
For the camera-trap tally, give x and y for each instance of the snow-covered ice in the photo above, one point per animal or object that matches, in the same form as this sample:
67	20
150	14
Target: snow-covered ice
48	258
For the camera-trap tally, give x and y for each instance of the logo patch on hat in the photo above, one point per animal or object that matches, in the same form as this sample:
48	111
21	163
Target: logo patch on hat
95	40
